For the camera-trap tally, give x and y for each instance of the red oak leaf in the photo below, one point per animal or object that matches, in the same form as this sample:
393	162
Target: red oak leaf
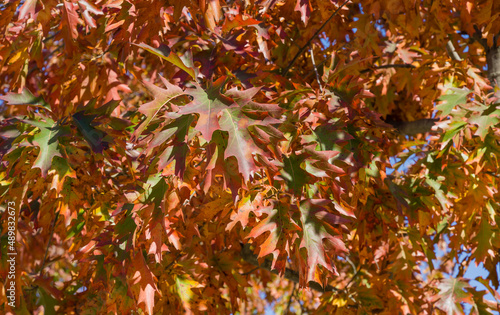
146	281
207	104
317	224
161	98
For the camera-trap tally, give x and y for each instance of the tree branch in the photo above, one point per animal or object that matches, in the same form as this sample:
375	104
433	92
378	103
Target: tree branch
493	61
290	299
411	128
314	36
492	56
403	65
450	48
478	36
52	226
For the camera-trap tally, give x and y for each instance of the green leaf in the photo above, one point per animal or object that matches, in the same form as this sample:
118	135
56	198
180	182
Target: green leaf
155	180
76	227
25	98
399	193
61	166
483	240
441	197
93	136
184	287
484	122
125	227
216	148
48	142
164	52
328	136
104	110
295	177
156	193
176	152
49	303
453	129
450	100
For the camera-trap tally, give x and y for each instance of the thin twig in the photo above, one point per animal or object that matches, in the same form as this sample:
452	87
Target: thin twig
51	36
315	69
352	278
249	272
403	65
172	262
312	71
351	263
52	225
313	37
290	299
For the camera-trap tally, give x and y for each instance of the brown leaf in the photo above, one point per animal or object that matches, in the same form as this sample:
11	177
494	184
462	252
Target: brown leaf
70	18
146	281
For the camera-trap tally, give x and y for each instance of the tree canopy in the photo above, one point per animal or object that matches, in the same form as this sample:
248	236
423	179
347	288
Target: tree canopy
217	157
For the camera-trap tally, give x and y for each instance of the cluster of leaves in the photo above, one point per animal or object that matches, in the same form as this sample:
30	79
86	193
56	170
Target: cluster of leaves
158	151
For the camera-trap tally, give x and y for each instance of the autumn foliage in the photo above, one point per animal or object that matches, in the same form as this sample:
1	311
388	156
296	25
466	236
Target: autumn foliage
217	157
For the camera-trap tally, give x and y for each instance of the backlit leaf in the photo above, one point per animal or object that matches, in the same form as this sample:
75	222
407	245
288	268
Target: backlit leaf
47	139
317	225
452	292
453	98
144	278
165	53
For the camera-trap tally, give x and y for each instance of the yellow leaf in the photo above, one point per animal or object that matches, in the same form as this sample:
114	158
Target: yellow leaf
184	286
15	57
210	209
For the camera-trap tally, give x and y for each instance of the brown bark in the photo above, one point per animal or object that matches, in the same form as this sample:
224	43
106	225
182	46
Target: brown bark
411	128
493	60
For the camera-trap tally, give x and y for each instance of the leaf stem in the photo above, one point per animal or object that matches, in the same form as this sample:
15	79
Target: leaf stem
48	243
173	261
315	69
290	299
249	272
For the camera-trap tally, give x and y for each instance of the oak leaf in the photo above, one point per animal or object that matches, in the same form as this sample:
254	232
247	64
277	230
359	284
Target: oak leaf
452	292
47	139
146	281
161	98
318	224
207	104
279	224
